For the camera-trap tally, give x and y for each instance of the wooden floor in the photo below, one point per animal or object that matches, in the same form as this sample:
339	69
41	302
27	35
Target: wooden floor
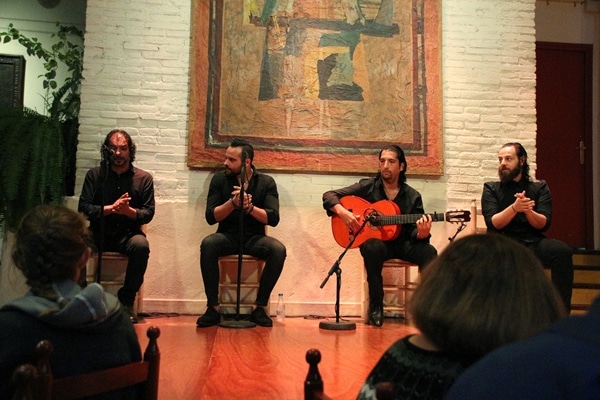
264	363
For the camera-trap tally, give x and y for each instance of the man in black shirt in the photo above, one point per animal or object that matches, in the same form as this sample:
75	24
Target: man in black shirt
260	207
521	208
125	196
412	244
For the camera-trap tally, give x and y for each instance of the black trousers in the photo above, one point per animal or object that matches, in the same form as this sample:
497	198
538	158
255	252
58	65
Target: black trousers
137	248
375	252
216	245
557	256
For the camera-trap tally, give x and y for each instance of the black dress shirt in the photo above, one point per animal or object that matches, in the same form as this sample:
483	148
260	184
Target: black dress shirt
497	196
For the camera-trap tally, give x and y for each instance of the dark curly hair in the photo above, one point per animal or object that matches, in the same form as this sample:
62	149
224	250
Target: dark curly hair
132	146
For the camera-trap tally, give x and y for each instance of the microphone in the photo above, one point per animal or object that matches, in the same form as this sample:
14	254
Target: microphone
107	152
244	156
372	219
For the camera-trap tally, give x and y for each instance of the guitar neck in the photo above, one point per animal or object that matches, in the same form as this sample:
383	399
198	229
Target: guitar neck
405	219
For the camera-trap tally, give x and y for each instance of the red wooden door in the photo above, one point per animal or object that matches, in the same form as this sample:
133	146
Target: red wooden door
564	138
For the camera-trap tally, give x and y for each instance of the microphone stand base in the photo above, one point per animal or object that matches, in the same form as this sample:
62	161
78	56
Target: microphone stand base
337	326
237	324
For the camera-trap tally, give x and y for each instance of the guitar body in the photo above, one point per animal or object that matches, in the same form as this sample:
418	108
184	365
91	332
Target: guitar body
359	206
384	220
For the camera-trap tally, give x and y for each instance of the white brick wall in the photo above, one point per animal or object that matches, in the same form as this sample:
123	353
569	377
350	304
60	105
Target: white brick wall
489	88
136	69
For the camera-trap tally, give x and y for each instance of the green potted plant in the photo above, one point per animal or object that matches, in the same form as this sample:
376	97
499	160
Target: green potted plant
38	165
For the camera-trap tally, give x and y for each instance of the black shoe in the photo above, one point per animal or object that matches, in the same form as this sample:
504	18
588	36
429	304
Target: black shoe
210	318
132	315
375	314
259	317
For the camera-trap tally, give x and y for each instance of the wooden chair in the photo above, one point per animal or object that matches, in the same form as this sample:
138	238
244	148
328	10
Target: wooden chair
252	268
399	282
114	266
313	384
398	287
37	382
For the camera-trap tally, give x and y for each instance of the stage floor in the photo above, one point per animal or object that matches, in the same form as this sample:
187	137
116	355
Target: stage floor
265	363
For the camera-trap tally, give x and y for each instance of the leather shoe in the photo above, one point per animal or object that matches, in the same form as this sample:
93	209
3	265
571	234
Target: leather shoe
132	315
259	317
210	318
376	314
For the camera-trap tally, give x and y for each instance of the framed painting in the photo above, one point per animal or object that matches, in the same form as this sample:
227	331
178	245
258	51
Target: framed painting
317	86
12	80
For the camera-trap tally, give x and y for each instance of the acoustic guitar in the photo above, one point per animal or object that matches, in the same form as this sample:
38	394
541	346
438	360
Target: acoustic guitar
384	220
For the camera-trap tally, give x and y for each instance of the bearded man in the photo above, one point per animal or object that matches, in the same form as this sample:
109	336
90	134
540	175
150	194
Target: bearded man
521	208
124	196
258	205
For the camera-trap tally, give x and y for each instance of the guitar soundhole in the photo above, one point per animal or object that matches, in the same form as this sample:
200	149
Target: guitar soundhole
372	213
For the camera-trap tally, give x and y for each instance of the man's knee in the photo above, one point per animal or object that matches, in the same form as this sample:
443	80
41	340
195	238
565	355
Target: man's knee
430	254
279	249
372	247
554	253
138	246
209	243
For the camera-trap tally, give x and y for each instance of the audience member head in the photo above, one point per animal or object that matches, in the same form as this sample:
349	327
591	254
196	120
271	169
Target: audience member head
52	243
482	292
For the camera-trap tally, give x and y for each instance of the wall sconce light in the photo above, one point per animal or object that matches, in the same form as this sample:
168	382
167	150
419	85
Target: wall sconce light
49	3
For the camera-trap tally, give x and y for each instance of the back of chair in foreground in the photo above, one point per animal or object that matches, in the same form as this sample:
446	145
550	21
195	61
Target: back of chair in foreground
37	382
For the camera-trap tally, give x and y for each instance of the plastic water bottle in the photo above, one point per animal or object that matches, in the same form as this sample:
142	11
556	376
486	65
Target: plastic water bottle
280	308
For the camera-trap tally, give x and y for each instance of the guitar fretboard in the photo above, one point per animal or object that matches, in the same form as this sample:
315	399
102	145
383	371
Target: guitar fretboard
404	219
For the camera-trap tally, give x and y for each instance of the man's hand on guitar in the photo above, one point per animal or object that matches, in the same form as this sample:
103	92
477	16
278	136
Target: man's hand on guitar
348	218
424	226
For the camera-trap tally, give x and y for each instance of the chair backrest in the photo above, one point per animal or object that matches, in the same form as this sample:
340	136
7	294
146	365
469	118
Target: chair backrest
313	384
37	382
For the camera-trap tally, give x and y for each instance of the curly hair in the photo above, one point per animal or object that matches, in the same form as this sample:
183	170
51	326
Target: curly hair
483	291
49	242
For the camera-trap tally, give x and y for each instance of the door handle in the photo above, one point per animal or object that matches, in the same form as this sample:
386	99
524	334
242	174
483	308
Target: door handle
581	152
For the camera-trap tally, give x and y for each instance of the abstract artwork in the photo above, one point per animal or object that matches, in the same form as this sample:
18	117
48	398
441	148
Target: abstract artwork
317	86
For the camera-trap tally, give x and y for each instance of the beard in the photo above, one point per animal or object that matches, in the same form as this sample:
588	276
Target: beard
232	172
508	175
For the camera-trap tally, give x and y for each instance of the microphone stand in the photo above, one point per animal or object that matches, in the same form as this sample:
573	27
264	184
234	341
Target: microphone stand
238	323
458	230
335	268
104	169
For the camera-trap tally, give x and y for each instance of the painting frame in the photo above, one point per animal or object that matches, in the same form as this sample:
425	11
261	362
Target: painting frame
12	80
424	146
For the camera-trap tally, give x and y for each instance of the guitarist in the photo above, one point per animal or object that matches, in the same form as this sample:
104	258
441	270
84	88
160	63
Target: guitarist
413	242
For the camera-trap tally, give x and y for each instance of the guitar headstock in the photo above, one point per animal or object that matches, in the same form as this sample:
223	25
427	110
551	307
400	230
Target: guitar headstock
457	216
